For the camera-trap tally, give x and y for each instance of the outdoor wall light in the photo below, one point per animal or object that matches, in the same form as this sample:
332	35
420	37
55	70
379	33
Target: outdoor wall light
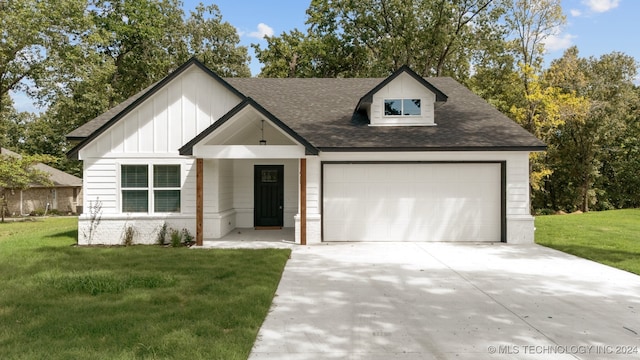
262	140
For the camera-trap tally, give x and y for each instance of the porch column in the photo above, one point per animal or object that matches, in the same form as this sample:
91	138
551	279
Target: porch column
199	201
303	201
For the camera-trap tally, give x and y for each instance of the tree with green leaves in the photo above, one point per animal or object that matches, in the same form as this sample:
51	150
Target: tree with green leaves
37	37
215	43
375	37
531	22
123	47
586	149
136	43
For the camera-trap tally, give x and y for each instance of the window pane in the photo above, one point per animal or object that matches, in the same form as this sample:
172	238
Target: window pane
269	176
393	107
166	175
411	107
166	200
135	201
134	176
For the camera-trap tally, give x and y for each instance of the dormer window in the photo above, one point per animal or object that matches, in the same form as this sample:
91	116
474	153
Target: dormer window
403	99
402	107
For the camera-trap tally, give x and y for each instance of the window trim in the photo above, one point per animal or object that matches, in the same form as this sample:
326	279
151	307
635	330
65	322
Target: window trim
150	188
402	100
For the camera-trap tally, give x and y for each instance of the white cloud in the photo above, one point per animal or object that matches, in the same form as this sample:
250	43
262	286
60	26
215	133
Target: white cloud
263	30
575	12
601	6
558	42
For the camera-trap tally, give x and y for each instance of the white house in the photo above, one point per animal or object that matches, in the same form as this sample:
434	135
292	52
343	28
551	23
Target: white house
404	158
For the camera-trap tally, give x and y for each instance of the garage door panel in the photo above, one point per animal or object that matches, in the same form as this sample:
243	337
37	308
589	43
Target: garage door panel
412	202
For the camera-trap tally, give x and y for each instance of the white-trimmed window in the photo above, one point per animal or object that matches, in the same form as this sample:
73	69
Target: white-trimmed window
139	194
166	188
402	107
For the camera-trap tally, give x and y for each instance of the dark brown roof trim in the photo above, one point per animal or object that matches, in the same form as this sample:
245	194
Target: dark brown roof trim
187	149
73	153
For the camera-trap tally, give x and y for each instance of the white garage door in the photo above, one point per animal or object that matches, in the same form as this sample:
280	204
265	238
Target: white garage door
412	202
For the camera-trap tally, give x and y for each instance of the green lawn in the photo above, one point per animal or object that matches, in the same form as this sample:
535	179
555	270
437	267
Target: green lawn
59	301
608	237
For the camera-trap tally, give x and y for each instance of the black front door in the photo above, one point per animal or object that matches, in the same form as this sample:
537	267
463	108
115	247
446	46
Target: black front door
268	195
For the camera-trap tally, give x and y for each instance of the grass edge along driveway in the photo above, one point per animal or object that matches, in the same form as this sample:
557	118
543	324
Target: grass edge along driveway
141	302
608	237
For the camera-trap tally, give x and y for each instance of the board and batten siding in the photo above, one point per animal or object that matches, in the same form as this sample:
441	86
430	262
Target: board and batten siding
167	120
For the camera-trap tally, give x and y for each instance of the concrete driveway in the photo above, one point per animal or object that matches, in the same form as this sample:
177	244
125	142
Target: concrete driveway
449	301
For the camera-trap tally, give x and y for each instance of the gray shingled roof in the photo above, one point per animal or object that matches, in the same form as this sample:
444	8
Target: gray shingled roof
58	178
323	112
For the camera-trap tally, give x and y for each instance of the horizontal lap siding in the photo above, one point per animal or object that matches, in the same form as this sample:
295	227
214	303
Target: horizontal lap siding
99	184
518	186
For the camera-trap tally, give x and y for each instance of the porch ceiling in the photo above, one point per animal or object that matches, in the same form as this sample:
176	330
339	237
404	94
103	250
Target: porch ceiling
248	128
240	136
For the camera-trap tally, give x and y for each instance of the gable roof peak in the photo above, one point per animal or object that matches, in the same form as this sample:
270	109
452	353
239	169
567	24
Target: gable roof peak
92	129
404	69
187	149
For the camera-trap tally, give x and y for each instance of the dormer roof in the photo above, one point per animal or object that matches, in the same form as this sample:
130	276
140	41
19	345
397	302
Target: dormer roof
368	97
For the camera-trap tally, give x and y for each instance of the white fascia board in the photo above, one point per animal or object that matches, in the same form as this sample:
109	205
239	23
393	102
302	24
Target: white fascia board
249	151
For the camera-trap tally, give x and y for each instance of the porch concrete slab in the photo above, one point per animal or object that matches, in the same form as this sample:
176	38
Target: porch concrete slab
250	238
449	301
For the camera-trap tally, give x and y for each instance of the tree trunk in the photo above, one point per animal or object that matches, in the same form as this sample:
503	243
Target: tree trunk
2	205
585	195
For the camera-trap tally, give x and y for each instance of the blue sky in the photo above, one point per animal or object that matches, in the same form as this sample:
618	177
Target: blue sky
597	27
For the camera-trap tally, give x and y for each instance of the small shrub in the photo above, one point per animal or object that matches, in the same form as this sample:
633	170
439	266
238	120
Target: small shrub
37	212
95	215
176	238
187	238
162	234
129	233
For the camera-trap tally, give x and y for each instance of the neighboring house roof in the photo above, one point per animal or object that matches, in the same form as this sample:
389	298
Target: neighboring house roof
324	112
58	178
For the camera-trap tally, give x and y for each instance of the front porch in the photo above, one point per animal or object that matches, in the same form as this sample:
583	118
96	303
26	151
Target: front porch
250	238
250	172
